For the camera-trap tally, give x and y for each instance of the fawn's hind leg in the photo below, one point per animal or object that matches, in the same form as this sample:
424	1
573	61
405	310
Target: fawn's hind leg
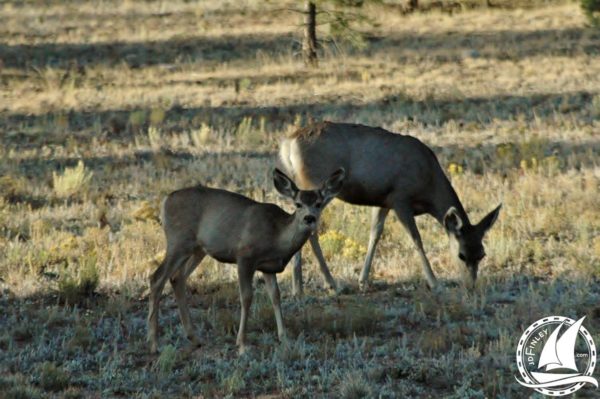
178	280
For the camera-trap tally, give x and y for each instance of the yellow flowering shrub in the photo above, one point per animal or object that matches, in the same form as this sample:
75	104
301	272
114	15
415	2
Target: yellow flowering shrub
335	243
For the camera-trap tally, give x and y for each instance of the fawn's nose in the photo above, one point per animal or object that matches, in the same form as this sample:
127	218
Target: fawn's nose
309	219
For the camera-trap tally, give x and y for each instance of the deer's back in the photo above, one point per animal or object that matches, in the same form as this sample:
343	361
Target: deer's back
381	166
225	225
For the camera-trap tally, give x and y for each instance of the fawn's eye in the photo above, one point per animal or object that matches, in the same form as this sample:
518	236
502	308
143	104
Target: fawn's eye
462	257
318	205
298	205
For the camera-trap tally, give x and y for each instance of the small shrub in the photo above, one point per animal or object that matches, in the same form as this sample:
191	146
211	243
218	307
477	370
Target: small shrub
202	136
23	332
53	378
71	289
89	277
68	290
39	228
335	243
73	393
71	181
233	383
167	359
21	392
595	105
455	169
353	250
82	338
245	84
137	119
11	187
146	211
247	134
591	9
354	386
291	351
225	323
596	247
332	242
155	137
4	345
157	116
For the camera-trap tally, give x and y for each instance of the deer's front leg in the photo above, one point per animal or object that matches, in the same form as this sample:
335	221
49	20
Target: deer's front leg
273	290
245	274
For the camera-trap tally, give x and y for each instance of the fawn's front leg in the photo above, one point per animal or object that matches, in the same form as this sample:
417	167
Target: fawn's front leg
273	290
245	274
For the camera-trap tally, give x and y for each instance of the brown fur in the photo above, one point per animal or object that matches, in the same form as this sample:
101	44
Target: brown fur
311	131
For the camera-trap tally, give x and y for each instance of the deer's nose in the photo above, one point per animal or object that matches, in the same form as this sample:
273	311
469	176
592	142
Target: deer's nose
309	219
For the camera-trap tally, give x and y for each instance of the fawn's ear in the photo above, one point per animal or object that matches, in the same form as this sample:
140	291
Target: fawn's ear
283	184
333	185
452	221
488	221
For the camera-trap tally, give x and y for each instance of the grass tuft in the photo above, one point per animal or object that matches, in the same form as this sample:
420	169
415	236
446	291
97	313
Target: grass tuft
354	385
73	286
167	360
53	378
71	181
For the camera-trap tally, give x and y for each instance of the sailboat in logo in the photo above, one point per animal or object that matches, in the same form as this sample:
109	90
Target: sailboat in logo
559	353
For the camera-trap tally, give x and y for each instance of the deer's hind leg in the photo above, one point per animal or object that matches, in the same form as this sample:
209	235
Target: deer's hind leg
173	261
378	216
316	247
178	279
407	218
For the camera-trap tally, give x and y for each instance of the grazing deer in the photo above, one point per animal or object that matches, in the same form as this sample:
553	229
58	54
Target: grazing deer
386	171
231	228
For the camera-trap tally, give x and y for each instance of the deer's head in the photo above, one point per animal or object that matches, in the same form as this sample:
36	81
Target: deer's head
309	203
469	238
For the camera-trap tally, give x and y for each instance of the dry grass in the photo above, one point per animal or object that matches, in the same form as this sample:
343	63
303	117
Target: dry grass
106	107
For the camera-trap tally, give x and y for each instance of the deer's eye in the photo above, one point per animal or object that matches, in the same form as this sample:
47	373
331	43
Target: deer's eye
462	257
318	205
298	205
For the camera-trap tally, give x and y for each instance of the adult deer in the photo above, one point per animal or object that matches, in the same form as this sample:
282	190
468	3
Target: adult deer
386	171
231	228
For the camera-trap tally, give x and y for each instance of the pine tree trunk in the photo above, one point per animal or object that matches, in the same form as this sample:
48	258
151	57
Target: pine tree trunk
309	44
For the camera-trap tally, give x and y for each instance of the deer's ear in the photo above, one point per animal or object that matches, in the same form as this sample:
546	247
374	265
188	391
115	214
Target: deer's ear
452	221
283	184
334	184
488	221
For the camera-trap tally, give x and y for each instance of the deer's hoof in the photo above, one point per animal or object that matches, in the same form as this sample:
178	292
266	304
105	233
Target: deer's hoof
243	350
343	289
363	286
298	295
333	288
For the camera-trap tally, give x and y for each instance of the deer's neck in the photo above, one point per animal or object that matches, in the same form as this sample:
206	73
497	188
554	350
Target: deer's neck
293	235
445	198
